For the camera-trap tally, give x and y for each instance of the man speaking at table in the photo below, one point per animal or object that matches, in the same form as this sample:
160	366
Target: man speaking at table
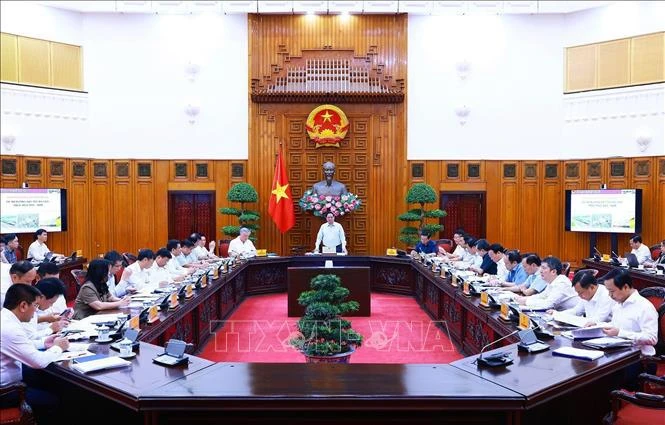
331	235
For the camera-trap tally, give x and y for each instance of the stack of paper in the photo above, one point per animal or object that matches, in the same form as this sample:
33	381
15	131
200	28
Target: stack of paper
570	319
101	364
578	353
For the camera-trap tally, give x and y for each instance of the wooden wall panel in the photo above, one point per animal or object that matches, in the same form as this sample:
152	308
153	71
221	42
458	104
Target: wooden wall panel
66	63
376	147
647	60
614	63
100	211
581	68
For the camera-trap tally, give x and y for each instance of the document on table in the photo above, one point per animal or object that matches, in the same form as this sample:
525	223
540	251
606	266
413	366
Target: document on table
578	353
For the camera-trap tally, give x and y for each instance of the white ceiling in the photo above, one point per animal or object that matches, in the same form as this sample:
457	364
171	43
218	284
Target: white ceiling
332	6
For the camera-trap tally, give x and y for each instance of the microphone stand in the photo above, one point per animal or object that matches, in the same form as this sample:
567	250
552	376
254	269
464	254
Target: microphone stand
497	360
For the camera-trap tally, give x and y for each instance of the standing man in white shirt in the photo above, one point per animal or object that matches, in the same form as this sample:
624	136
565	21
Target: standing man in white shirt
641	251
16	349
595	302
633	317
331	235
242	245
559	294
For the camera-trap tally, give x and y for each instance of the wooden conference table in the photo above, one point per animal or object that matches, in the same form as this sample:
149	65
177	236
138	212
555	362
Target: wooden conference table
641	278
536	388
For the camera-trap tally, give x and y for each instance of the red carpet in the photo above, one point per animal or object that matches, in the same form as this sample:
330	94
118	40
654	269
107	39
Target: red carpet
398	331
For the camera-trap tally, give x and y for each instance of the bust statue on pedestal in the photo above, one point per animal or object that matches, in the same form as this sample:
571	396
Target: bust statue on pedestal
329	186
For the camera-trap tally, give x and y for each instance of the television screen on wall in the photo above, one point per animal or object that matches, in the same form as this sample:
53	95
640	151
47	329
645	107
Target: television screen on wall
604	211
26	210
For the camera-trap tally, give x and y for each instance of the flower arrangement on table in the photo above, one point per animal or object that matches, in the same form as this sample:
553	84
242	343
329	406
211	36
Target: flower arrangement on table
320	205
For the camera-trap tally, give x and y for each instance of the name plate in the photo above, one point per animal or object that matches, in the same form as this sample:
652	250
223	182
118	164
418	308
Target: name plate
484	299
153	314
465	289
261	252
134	323
189	291
215	273
173	300
204	280
525	322
392	252
505	311
79	253
454	281
442	272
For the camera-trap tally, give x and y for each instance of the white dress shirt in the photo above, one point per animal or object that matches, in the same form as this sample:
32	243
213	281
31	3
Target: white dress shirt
642	253
38	251
159	275
174	268
16	349
501	270
598	309
139	278
238	247
559	295
459	252
637	320
331	235
200	252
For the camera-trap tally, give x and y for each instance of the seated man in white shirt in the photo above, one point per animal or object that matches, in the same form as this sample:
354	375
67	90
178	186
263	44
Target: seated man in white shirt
460	247
559	294
177	271
211	246
641	251
242	245
187	258
16	349
496	254
474	259
52	289
633	316
137	275
46	270
160	276
199	249
19	272
38	249
331	236
595	302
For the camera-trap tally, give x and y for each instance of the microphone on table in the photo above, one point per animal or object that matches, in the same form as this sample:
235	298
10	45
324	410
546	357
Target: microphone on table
614	254
498	359
598	255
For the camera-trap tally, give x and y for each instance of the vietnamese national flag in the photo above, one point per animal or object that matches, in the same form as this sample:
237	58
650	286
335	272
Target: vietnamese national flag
280	206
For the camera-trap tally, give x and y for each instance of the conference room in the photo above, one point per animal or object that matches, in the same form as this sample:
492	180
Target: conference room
376	211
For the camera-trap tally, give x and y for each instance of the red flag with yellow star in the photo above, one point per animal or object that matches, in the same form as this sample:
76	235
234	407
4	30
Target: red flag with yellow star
280	206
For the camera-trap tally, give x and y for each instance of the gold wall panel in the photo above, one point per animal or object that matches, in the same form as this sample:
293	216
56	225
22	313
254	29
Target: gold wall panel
581	68
8	57
34	62
614	64
66	66
647	59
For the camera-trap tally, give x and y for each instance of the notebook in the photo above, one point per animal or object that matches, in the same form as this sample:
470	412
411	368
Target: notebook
607	342
99	364
578	353
570	319
585	333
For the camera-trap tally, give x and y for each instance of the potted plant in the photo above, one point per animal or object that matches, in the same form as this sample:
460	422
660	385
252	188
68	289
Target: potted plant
325	337
242	193
420	193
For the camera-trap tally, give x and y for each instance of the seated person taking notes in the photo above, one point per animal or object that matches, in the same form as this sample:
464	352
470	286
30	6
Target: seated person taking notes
595	302
242	245
94	295
331	236
559	294
425	246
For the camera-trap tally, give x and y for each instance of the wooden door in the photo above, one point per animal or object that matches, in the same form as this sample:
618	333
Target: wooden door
191	212
464	210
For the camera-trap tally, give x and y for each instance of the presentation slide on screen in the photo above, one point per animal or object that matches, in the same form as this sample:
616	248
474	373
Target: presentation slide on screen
26	210
611	211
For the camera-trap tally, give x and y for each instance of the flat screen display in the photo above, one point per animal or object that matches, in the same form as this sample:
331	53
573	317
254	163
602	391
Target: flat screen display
26	210
604	211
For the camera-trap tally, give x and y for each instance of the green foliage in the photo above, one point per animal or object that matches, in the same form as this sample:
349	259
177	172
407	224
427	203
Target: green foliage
420	193
323	332
243	193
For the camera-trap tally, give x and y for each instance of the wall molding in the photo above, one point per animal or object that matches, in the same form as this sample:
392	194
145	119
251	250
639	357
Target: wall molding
43	103
615	104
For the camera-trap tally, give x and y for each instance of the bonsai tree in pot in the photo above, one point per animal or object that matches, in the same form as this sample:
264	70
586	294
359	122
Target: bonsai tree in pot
324	336
243	193
420	193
